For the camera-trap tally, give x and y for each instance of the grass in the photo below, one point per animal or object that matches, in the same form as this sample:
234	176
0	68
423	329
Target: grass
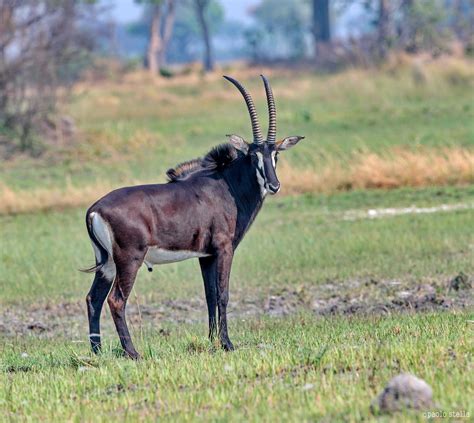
364	128
405	127
41	252
297	369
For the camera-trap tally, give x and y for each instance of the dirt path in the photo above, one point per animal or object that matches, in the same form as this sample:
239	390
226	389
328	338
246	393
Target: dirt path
364	297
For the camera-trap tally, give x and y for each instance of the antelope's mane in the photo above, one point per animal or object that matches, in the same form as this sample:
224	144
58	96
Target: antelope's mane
217	159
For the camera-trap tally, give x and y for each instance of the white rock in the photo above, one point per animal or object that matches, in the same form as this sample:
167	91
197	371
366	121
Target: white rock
404	391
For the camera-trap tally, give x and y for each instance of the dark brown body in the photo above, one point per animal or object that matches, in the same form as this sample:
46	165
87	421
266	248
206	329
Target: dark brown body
204	211
207	213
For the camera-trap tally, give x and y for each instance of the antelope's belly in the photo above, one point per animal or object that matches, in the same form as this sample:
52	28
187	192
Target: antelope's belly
157	255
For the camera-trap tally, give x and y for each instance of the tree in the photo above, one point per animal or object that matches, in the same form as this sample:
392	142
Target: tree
201	9
162	16
384	25
462	12
43	46
410	25
183	31
280	29
183	47
321	22
423	25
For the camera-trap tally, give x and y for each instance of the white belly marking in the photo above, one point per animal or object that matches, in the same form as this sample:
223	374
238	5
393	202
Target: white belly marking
157	255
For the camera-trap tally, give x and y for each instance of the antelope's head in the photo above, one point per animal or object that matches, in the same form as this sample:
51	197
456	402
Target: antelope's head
262	152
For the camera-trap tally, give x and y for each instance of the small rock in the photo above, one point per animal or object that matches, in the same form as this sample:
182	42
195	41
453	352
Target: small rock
308	387
24	355
403	391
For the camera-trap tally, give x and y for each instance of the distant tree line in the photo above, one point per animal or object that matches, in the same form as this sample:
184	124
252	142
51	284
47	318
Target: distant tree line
304	29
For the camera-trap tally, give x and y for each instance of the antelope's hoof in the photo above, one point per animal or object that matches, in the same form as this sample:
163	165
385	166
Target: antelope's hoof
227	345
133	355
96	349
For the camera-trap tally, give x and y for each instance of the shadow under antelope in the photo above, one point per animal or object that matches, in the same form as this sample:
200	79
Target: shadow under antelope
203	211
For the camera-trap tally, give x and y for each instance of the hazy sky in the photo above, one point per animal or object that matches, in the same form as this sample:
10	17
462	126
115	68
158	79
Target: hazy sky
128	10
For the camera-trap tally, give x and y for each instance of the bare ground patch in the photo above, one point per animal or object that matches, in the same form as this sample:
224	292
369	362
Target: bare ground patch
356	297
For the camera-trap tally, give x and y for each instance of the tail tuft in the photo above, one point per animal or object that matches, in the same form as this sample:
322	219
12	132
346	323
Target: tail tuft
92	269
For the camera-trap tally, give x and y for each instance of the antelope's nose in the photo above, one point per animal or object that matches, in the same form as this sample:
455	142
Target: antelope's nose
273	188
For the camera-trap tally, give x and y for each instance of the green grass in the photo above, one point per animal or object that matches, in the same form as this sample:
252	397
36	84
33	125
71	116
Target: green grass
298	369
301	241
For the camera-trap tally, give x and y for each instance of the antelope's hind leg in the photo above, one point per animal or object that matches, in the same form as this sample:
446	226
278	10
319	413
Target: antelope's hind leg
95	300
126	274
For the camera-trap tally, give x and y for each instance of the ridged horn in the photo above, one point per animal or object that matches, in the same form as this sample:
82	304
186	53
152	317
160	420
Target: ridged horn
257	133
271	136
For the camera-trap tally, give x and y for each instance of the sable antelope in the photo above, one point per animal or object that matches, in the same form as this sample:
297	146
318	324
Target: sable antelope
203	211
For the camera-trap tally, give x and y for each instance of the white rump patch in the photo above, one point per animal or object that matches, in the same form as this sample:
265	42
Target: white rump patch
157	255
104	235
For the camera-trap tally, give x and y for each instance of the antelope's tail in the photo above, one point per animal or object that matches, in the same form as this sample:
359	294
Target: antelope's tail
101	237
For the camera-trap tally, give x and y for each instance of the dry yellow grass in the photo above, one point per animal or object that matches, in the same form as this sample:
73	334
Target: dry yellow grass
392	169
16	202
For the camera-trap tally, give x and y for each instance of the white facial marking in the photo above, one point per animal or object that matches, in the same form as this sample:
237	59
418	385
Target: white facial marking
260	161
260	171
104	235
156	255
273	159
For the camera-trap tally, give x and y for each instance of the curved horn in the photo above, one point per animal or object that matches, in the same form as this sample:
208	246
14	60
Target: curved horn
257	133
271	136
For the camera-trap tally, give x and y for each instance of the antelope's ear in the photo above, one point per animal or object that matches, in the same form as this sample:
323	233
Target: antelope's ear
288	142
239	143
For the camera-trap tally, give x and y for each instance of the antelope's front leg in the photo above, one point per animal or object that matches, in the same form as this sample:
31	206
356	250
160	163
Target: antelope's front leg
224	264
209	275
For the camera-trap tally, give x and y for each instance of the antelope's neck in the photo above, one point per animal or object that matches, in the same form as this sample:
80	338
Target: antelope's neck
247	194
